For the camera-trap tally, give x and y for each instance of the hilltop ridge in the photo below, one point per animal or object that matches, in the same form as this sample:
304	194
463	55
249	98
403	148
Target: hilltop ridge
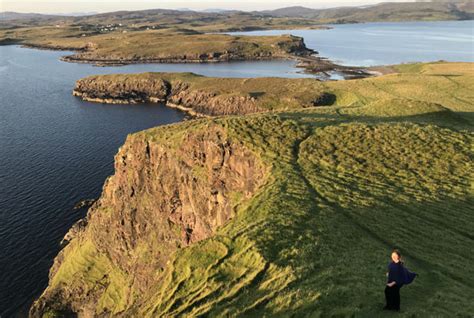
383	11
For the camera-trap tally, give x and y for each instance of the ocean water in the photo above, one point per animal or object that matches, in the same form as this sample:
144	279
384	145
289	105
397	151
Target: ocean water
371	44
54	151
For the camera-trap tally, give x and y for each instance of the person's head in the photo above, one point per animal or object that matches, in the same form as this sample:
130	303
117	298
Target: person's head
396	256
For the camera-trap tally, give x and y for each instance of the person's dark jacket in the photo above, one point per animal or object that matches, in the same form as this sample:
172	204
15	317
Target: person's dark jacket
395	273
399	274
408	276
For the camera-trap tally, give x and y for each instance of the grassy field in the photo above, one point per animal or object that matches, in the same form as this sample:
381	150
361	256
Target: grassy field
388	165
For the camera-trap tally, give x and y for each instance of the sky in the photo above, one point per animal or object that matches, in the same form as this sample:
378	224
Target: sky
74	6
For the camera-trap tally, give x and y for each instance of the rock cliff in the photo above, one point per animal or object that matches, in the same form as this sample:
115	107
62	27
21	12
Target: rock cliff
174	92
205	96
165	194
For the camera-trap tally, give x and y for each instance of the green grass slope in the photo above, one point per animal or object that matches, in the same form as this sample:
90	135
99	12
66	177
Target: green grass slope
168	44
389	165
315	241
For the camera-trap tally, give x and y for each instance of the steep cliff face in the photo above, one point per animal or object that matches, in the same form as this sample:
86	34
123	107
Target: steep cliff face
185	97
126	91
175	92
165	194
206	96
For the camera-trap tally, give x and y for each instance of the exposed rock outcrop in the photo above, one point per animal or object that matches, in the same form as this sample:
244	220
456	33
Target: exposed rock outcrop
128	91
173	92
166	194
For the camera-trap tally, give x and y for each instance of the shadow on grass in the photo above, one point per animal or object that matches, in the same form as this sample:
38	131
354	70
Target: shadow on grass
330	115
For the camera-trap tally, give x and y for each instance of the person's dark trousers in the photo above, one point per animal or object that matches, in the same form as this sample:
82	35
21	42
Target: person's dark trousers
392	297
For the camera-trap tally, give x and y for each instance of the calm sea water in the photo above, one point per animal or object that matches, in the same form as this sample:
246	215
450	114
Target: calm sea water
56	149
370	44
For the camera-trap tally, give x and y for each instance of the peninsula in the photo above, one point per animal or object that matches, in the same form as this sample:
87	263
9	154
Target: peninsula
262	214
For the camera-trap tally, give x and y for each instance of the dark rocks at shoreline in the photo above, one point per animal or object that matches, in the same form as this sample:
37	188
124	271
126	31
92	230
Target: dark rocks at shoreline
85	203
319	65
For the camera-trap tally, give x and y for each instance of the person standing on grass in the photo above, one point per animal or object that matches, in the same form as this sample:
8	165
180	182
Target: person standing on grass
397	276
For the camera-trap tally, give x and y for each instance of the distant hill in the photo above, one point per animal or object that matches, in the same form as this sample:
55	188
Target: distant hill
439	10
8	16
212	20
296	11
78	14
215	10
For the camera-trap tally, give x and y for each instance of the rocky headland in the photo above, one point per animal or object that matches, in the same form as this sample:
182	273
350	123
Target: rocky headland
203	176
253	215
175	93
203	96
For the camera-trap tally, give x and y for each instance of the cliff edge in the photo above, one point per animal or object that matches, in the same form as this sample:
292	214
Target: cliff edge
166	194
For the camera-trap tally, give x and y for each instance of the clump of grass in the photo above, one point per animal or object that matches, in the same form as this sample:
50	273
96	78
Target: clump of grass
86	266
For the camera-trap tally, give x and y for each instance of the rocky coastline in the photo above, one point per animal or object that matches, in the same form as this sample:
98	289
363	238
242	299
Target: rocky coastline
319	65
169	60
311	64
173	93
287	48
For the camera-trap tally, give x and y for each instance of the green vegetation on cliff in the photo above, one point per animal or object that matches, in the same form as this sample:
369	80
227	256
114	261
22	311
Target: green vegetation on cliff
389	164
414	90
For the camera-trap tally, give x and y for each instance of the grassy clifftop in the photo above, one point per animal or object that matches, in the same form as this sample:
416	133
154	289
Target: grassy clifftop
389	165
414	89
